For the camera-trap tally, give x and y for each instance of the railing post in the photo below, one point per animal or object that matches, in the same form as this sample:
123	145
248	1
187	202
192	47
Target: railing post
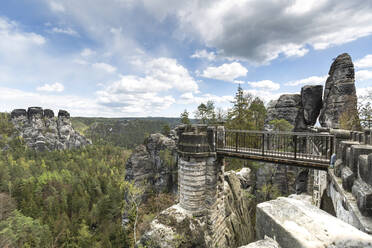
263	144
295	146
236	141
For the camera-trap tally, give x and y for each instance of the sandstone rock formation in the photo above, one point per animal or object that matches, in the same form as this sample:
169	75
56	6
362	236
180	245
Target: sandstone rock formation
339	93
42	131
311	104
297	223
263	243
154	164
176	227
286	107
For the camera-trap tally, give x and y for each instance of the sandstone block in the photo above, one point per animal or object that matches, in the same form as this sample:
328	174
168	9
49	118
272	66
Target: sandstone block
355	151
295	223
363	195
348	178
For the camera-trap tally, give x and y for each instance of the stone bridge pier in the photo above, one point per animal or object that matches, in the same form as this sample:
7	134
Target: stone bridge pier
201	176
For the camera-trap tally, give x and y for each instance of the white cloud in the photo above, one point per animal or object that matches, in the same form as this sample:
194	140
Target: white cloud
189	98
226	72
87	52
265	95
68	31
57	7
261	30
203	54
365	62
363	75
106	67
265	84
167	70
14	42
308	80
56	87
148	93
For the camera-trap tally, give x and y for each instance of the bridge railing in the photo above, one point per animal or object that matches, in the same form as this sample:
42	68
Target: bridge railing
291	145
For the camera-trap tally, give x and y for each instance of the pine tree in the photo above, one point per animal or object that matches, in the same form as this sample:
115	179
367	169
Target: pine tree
185	117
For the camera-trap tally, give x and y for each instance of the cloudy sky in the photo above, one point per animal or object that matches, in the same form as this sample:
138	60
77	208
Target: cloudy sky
119	58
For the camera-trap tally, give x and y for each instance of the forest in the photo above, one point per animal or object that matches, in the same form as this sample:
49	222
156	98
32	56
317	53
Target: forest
76	198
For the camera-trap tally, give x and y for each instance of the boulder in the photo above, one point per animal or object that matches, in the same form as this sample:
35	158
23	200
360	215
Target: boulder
17	113
263	243
63	113
35	112
48	113
339	93
296	223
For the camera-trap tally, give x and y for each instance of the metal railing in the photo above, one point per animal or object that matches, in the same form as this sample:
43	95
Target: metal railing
291	145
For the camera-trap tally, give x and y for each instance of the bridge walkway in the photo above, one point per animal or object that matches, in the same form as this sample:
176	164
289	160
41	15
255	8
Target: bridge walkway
311	150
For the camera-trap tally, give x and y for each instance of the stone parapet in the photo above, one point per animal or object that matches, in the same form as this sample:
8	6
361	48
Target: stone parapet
296	223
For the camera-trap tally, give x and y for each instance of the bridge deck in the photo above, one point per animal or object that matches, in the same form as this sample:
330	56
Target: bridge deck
287	148
285	158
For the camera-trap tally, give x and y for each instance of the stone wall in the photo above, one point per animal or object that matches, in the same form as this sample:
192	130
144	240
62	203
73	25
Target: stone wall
349	182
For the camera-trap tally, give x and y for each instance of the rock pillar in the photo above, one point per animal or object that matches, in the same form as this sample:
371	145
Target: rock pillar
200	172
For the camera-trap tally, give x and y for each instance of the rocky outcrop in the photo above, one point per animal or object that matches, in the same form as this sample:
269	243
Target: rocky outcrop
297	223
286	107
42	131
176	227
154	164
339	93
311	104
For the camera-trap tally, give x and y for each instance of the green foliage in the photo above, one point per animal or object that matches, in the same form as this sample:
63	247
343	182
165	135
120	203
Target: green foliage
281	125
205	113
22	231
247	113
166	130
123	133
269	192
185	117
70	198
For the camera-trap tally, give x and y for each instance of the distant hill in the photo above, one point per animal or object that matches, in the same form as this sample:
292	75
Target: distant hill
124	132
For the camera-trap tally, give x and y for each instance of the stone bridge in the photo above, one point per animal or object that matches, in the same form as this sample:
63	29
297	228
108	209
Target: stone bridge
347	185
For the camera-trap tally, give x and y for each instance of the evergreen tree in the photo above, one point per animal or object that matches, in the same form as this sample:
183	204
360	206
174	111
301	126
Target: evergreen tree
205	113
238	116
185	117
258	113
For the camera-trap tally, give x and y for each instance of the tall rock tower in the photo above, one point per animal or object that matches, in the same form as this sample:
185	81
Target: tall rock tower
339	93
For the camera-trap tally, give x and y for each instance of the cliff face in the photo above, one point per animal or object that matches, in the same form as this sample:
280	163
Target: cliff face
286	107
176	227
154	164
41	130
339	93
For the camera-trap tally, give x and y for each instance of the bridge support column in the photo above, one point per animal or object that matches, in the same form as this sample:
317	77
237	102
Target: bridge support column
200	170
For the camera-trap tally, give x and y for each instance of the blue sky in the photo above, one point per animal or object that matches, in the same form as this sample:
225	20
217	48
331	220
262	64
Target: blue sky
118	58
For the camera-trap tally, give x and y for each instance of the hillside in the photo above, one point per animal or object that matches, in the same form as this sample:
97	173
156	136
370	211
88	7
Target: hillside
123	132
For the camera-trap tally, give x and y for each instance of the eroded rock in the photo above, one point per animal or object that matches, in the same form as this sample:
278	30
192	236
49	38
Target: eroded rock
295	223
154	164
43	132
339	93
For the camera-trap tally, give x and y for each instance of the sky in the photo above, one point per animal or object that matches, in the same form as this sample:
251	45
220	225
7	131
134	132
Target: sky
128	58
